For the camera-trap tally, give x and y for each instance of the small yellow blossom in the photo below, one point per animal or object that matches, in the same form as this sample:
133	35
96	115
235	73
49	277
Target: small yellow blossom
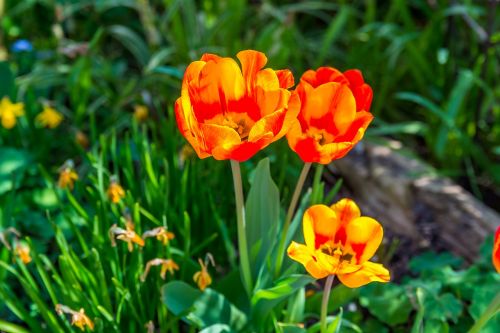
67	175
202	278
141	113
78	318
115	191
81	139
185	153
127	235
23	252
49	117
166	265
160	233
310	293
9	112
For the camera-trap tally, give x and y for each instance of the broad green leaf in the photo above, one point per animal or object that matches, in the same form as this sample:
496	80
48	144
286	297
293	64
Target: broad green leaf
204	309
443	307
262	216
429	261
12	162
217	328
388	302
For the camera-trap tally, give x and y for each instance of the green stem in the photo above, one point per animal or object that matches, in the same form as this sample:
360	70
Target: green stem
324	302
240	218
492	309
289	215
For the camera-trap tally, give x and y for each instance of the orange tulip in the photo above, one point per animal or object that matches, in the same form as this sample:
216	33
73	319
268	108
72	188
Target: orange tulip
231	113
334	114
496	251
339	241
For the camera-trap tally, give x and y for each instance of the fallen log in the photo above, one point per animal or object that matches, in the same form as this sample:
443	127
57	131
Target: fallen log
411	200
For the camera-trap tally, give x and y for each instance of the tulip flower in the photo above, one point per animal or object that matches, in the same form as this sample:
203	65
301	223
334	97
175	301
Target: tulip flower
339	241
496	250
231	113
9	112
334	114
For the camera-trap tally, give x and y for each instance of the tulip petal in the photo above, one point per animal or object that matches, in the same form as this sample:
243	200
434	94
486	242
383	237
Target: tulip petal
320	224
219	140
357	129
496	250
306	257
362	92
369	272
285	78
251	62
188	126
364	236
346	210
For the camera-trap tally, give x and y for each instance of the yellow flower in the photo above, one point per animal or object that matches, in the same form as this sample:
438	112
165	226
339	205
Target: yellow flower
160	233
141	113
166	265
67	175
115	191
78	318
23	252
202	278
49	117
127	235
9	112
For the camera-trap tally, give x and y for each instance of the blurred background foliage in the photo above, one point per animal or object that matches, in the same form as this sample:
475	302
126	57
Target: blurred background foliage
434	69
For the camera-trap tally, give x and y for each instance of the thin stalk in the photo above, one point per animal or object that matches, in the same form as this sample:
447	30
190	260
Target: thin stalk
240	218
492	309
324	302
289	215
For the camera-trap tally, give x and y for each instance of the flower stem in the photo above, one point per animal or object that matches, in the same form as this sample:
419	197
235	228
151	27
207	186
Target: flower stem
289	215
324	302
492	309
240	218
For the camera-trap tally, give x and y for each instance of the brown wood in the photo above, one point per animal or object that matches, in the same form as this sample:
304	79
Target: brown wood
412	201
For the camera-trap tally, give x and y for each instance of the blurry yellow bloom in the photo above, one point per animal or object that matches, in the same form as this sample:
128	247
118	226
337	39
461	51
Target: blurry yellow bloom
166	265
23	252
202	278
67	175
141	113
82	139
9	112
310	293
186	153
129	236
78	318
115	191
49	117
160	233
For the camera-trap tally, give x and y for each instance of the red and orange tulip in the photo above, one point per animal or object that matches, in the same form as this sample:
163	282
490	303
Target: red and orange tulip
339	241
231	113
496	250
334	114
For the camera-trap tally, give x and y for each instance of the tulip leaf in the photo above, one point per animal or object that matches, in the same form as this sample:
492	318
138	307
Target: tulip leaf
203	309
264	300
262	216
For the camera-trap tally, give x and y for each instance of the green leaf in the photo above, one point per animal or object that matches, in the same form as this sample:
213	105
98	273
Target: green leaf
429	261
264	300
262	216
444	307
217	328
388	302
13	161
132	42
204	309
